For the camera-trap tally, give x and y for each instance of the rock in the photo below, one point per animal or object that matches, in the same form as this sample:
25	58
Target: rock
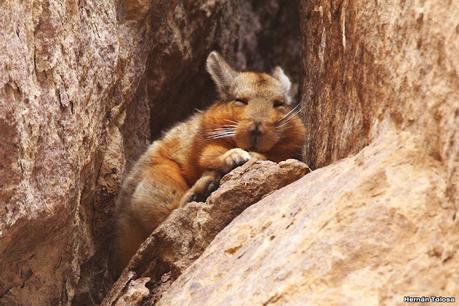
372	67
63	90
84	87
136	292
185	234
363	231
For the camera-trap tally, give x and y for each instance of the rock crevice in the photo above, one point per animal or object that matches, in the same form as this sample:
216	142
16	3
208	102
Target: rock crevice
86	85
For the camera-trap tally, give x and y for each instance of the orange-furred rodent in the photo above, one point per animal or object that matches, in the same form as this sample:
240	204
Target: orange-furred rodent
252	119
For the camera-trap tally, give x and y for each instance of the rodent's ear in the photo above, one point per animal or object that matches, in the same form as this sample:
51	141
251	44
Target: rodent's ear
279	75
222	73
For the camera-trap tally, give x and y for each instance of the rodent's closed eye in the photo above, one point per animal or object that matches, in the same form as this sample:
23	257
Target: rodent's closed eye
241	101
277	103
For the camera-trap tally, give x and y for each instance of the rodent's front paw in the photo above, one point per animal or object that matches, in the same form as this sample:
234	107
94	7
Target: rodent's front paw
205	186
202	188
234	158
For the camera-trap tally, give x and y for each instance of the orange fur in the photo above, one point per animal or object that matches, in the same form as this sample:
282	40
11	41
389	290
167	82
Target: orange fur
187	163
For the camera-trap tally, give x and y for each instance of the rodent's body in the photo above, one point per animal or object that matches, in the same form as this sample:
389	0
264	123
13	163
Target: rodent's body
253	120
154	187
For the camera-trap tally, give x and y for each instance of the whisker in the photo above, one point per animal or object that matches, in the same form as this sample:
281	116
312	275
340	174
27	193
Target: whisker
228	130
226	127
218	135
282	125
296	112
296	108
223	128
221	131
231	126
231	121
285	122
221	136
292	112
286	119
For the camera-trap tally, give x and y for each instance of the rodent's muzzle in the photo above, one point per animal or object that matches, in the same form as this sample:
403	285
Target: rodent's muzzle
258	136
255	131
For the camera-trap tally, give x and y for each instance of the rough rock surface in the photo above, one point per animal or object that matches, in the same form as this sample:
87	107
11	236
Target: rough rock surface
185	234
65	78
373	66
353	233
84	86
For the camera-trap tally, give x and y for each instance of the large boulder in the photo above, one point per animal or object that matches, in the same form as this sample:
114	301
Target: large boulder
367	230
66	74
370	67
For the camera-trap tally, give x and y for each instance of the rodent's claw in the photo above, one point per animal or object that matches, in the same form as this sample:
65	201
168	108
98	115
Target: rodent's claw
202	188
193	198
234	158
212	187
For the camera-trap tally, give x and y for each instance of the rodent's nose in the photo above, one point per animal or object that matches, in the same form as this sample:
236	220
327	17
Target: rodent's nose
255	128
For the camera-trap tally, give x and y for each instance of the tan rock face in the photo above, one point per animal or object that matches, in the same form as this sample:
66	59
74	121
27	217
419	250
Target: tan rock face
353	233
370	67
59	67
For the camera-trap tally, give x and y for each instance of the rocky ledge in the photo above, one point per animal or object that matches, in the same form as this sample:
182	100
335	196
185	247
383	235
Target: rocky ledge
184	236
367	230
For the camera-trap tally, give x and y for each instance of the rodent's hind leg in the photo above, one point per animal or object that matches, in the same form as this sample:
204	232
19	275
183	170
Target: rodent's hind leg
130	236
155	196
203	187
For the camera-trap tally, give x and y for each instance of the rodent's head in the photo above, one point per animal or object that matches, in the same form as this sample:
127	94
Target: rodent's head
255	108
